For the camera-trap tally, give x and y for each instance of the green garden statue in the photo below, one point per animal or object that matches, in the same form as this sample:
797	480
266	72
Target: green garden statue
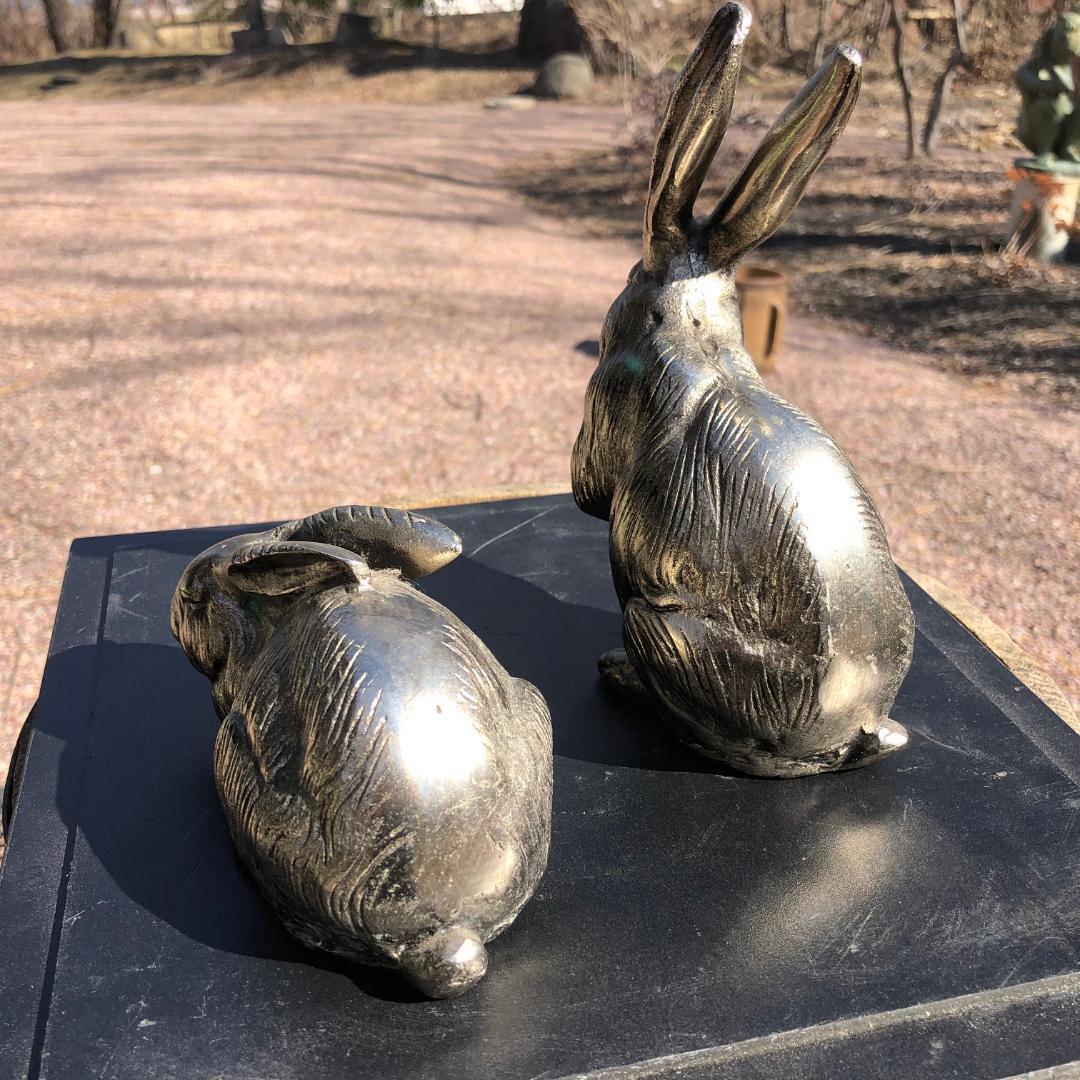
1049	124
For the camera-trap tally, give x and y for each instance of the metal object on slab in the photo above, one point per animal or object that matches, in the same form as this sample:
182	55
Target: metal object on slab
135	942
386	782
763	614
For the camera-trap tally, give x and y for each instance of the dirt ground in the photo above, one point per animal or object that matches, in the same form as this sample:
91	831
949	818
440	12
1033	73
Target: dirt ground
906	252
235	313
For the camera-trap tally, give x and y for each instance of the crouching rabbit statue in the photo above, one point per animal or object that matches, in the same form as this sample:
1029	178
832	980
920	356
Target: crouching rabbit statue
762	612
386	782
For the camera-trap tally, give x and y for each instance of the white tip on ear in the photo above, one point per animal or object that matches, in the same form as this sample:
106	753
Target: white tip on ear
850	54
694	123
771	183
742	27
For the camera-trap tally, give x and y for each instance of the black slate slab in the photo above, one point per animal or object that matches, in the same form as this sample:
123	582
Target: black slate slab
916	918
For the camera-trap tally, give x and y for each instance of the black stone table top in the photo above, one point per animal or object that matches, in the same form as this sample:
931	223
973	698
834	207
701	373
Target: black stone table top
917	918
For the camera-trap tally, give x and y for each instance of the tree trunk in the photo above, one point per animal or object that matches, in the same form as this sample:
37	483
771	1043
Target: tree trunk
106	23
878	19
817	53
957	58
56	22
937	103
785	26
548	27
255	15
903	76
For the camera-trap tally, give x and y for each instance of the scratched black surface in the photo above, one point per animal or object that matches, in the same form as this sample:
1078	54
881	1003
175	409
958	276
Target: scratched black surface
684	908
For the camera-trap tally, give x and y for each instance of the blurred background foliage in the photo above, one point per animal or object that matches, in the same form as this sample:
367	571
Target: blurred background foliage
635	37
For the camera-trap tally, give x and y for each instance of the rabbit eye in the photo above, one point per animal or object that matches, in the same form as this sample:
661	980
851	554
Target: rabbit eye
192	594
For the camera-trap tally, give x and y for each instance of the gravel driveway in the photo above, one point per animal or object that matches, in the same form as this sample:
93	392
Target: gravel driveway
213	313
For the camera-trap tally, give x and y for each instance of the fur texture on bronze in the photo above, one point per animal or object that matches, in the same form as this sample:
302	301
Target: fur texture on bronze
763	614
386	782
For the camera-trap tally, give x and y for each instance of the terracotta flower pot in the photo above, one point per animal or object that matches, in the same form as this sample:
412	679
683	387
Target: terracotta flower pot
1043	211
763	297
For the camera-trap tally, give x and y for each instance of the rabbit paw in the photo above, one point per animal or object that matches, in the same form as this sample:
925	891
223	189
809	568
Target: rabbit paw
619	673
868	746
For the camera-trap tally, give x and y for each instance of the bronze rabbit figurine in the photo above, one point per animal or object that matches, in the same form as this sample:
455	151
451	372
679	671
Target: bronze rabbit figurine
385	781
762	612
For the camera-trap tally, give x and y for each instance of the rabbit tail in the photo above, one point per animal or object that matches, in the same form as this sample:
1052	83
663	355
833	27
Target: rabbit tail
445	963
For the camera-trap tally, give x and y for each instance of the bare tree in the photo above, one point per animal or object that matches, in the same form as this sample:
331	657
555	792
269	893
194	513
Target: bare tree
957	58
785	26
56	23
255	15
644	35
817	53
876	22
106	14
903	75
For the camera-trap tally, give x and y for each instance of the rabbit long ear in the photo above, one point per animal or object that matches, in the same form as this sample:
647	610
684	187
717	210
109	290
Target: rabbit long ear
772	182
273	568
693	126
386	538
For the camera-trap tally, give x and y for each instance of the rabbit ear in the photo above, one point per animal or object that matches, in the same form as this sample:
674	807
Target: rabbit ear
272	568
772	182
693	126
386	538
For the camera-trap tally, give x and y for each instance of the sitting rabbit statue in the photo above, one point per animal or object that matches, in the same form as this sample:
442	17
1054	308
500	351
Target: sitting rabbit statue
762	612
386	782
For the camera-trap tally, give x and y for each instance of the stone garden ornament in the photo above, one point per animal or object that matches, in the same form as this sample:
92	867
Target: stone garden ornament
386	782
763	614
1049	124
1048	184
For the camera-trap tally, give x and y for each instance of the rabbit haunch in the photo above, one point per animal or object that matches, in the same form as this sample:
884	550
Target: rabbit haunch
331	772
